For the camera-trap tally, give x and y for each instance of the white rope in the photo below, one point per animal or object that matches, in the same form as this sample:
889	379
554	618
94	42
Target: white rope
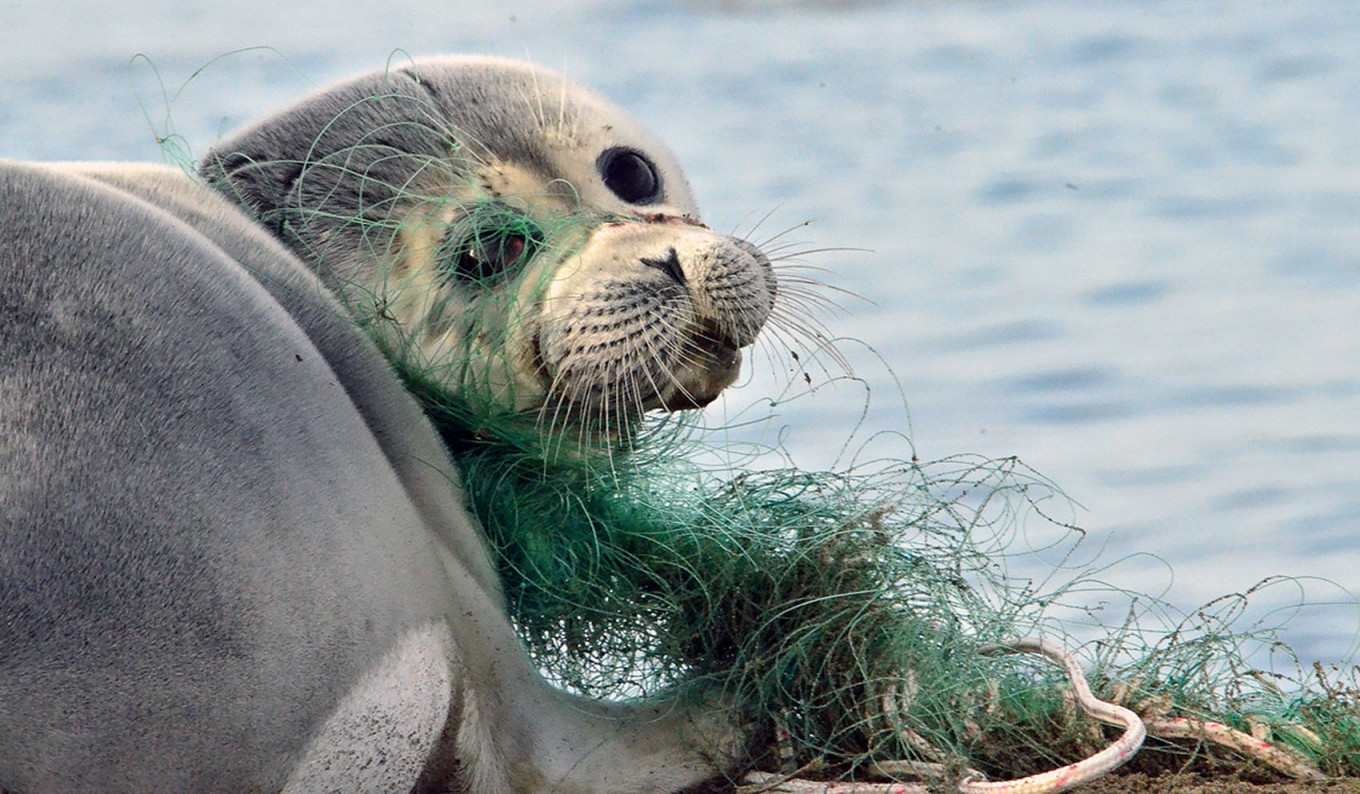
1057	780
1049	782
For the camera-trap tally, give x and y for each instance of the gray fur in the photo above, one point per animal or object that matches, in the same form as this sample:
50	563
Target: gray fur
233	553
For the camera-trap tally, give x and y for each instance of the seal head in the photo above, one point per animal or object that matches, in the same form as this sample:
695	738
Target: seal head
514	236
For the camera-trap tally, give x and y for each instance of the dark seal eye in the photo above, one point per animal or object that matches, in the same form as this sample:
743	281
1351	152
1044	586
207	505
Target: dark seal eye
490	241
491	256
631	176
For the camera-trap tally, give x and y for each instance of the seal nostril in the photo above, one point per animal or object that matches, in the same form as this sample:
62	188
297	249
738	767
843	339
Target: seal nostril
670	265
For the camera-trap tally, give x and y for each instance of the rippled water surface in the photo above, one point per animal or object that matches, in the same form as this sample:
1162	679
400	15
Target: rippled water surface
1121	241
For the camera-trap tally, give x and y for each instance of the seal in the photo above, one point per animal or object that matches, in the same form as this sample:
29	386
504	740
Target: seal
233	551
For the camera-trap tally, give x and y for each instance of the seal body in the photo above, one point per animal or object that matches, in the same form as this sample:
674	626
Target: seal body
233	552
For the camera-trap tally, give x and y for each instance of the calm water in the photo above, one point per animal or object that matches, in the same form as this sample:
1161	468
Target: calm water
1120	242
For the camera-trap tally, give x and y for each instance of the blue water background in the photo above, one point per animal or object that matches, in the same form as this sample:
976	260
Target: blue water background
1118	240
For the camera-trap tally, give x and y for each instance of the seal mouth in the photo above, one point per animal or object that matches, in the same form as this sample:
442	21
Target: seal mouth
715	365
711	363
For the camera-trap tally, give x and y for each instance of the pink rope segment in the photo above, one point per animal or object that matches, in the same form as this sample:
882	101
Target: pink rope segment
1277	758
1050	782
1098	765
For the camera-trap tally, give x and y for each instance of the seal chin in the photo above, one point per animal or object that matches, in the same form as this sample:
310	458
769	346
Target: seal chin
716	365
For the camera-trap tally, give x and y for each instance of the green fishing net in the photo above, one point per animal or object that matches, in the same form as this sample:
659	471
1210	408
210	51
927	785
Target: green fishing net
846	612
841	607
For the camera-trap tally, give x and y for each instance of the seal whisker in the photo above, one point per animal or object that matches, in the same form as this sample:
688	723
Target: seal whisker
562	107
749	233
534	100
765	244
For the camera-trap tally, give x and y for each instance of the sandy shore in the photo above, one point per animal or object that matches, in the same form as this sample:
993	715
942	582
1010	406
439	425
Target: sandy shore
1186	783
1139	783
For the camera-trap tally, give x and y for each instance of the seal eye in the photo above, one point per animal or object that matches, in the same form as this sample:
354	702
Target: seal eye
488	242
490	256
631	176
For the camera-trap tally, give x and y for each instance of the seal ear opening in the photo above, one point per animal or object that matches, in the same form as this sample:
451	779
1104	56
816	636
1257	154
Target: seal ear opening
260	185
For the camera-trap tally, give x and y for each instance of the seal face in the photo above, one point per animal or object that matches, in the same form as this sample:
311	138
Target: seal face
513	235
